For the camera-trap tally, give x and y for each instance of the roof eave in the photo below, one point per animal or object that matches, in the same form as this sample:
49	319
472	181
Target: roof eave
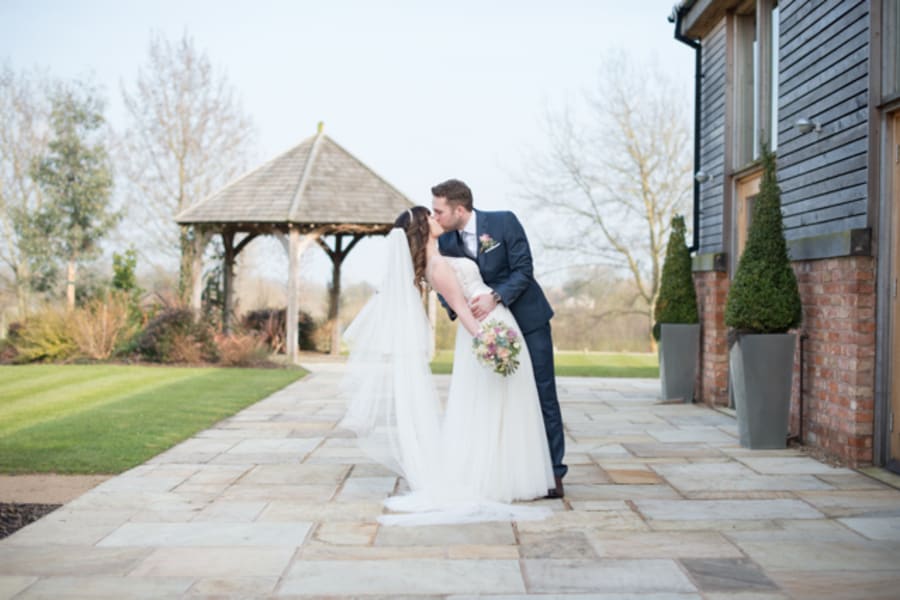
698	17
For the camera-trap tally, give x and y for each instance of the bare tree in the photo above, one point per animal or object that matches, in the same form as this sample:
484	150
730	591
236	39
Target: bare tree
617	168
24	134
187	136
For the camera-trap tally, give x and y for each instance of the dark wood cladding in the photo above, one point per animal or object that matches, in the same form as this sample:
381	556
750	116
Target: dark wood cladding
712	139
823	73
823	76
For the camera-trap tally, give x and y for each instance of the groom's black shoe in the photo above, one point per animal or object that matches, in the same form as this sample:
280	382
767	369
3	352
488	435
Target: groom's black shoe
558	491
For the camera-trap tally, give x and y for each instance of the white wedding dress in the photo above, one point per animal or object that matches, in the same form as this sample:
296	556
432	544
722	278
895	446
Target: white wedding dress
489	448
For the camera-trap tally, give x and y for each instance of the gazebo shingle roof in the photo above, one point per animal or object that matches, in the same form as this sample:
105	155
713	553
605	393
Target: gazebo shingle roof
317	183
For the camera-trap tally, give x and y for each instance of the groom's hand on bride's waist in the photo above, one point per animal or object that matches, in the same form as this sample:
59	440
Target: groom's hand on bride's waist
482	306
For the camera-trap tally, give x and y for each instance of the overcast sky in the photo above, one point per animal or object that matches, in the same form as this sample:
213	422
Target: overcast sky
420	91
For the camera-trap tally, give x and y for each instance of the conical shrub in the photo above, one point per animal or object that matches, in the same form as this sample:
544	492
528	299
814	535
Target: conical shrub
677	300
764	297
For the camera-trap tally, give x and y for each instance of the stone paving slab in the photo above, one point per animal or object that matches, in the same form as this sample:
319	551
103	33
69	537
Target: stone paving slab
56	559
853	503
840	584
228	561
10	585
559	544
108	587
688	544
876	528
232	587
593	596
692	510
417	576
728	575
276	502
609	576
207	534
816	556
447	535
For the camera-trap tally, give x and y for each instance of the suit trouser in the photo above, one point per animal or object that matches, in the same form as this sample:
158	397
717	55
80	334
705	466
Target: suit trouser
540	347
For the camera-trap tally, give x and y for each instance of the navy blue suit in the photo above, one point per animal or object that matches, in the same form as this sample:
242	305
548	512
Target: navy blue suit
507	269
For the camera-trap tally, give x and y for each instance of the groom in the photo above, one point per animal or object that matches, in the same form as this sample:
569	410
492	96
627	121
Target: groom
497	242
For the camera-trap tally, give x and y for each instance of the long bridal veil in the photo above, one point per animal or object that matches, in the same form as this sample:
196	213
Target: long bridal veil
392	402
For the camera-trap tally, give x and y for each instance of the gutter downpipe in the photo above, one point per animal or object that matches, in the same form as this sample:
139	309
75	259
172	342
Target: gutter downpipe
698	79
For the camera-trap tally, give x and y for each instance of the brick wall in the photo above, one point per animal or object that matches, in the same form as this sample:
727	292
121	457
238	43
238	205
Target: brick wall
839	357
838	376
712	289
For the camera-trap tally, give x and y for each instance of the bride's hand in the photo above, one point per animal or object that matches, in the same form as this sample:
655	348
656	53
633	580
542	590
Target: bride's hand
482	306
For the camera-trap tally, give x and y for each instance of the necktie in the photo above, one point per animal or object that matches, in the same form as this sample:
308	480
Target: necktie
467	237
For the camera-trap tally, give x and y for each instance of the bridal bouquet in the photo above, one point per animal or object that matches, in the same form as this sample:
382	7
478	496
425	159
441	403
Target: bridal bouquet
496	346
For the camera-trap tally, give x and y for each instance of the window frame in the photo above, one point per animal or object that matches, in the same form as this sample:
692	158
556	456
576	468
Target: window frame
755	81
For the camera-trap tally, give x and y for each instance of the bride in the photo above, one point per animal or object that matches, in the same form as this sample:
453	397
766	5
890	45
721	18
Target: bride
490	447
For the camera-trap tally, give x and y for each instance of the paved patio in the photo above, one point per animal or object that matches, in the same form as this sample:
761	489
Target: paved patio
661	503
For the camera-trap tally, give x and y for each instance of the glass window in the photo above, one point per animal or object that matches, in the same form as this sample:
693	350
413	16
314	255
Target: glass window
756	109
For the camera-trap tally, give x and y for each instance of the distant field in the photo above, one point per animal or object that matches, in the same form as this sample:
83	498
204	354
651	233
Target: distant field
582	364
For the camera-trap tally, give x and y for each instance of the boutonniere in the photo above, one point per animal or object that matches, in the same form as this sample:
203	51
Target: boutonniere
487	243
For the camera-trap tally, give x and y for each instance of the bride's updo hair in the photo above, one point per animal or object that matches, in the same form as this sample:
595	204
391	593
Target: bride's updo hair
414	222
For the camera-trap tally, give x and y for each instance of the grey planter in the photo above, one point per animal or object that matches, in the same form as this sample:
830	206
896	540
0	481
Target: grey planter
679	347
762	369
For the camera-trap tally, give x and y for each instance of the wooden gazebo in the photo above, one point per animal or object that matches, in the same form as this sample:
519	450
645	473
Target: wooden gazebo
313	191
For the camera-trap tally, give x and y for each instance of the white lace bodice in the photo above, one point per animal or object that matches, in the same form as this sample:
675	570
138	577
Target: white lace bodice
467	274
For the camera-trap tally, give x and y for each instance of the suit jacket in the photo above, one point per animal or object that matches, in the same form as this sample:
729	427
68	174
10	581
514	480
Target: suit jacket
505	266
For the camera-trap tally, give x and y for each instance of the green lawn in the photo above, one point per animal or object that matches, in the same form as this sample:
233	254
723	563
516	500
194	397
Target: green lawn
109	418
582	364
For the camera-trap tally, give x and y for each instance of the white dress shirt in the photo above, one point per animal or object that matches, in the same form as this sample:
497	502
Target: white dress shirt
470	236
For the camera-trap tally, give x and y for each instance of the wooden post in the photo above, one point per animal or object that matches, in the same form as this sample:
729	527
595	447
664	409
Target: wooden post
334	305
337	256
197	271
290	334
228	280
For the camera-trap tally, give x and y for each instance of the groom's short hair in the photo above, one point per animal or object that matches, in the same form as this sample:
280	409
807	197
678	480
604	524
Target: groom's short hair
455	191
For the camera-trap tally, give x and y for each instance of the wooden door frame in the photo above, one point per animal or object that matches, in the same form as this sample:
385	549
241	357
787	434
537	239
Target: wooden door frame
891	413
746	186
884	213
742	185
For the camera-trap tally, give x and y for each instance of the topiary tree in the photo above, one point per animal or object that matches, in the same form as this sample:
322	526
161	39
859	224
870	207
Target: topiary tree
764	296
677	300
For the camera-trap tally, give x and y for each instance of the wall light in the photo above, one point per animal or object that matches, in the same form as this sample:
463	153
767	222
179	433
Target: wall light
804	125
701	176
